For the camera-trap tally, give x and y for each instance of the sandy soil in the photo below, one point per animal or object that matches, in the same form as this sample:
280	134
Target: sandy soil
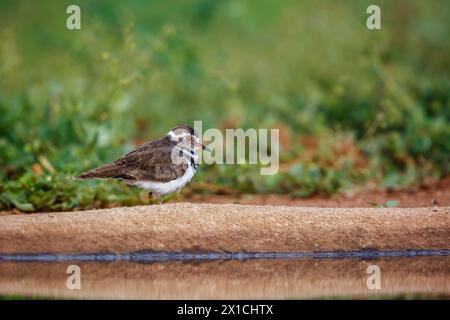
253	279
226	228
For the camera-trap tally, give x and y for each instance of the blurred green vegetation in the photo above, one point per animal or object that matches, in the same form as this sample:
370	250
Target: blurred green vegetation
353	106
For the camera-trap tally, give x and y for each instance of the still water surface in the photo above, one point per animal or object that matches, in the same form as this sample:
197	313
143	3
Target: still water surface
150	275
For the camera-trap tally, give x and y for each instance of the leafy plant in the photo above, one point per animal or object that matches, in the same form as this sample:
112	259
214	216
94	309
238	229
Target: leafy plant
353	106
387	204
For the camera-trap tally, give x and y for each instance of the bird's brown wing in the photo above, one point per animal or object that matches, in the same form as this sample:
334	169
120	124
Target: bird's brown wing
156	165
149	162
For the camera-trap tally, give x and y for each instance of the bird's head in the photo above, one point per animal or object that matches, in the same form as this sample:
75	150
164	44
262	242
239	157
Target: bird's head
184	134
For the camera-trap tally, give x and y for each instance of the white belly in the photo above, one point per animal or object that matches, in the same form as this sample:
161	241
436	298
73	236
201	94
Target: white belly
163	188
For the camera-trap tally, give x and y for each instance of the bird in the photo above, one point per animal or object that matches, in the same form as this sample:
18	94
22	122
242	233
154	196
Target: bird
160	167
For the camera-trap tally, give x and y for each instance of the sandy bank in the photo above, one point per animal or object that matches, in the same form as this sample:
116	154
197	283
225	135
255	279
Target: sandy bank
226	228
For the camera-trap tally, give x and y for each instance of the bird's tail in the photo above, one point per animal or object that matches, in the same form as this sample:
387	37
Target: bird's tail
106	171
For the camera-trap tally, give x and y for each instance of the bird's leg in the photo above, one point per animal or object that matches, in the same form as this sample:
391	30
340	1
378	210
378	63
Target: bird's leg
150	197
160	201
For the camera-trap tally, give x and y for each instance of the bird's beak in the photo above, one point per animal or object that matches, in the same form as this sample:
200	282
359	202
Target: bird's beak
199	145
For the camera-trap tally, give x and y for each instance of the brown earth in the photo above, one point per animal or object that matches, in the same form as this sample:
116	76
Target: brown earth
426	195
226	228
231	279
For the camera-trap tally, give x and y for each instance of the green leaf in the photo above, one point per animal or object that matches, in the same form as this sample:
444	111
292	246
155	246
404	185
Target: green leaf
391	203
18	201
26	207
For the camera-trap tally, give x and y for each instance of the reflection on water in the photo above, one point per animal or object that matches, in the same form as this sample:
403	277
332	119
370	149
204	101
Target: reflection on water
228	279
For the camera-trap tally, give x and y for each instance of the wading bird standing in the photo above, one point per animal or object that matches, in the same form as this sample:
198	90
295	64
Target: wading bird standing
161	167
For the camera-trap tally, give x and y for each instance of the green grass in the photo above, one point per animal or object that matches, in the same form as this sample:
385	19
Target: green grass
353	105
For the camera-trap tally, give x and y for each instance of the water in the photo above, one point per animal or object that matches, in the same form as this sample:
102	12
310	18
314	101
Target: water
149	256
168	275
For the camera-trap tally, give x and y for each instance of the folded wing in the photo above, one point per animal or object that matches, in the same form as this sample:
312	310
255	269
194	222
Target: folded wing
149	162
